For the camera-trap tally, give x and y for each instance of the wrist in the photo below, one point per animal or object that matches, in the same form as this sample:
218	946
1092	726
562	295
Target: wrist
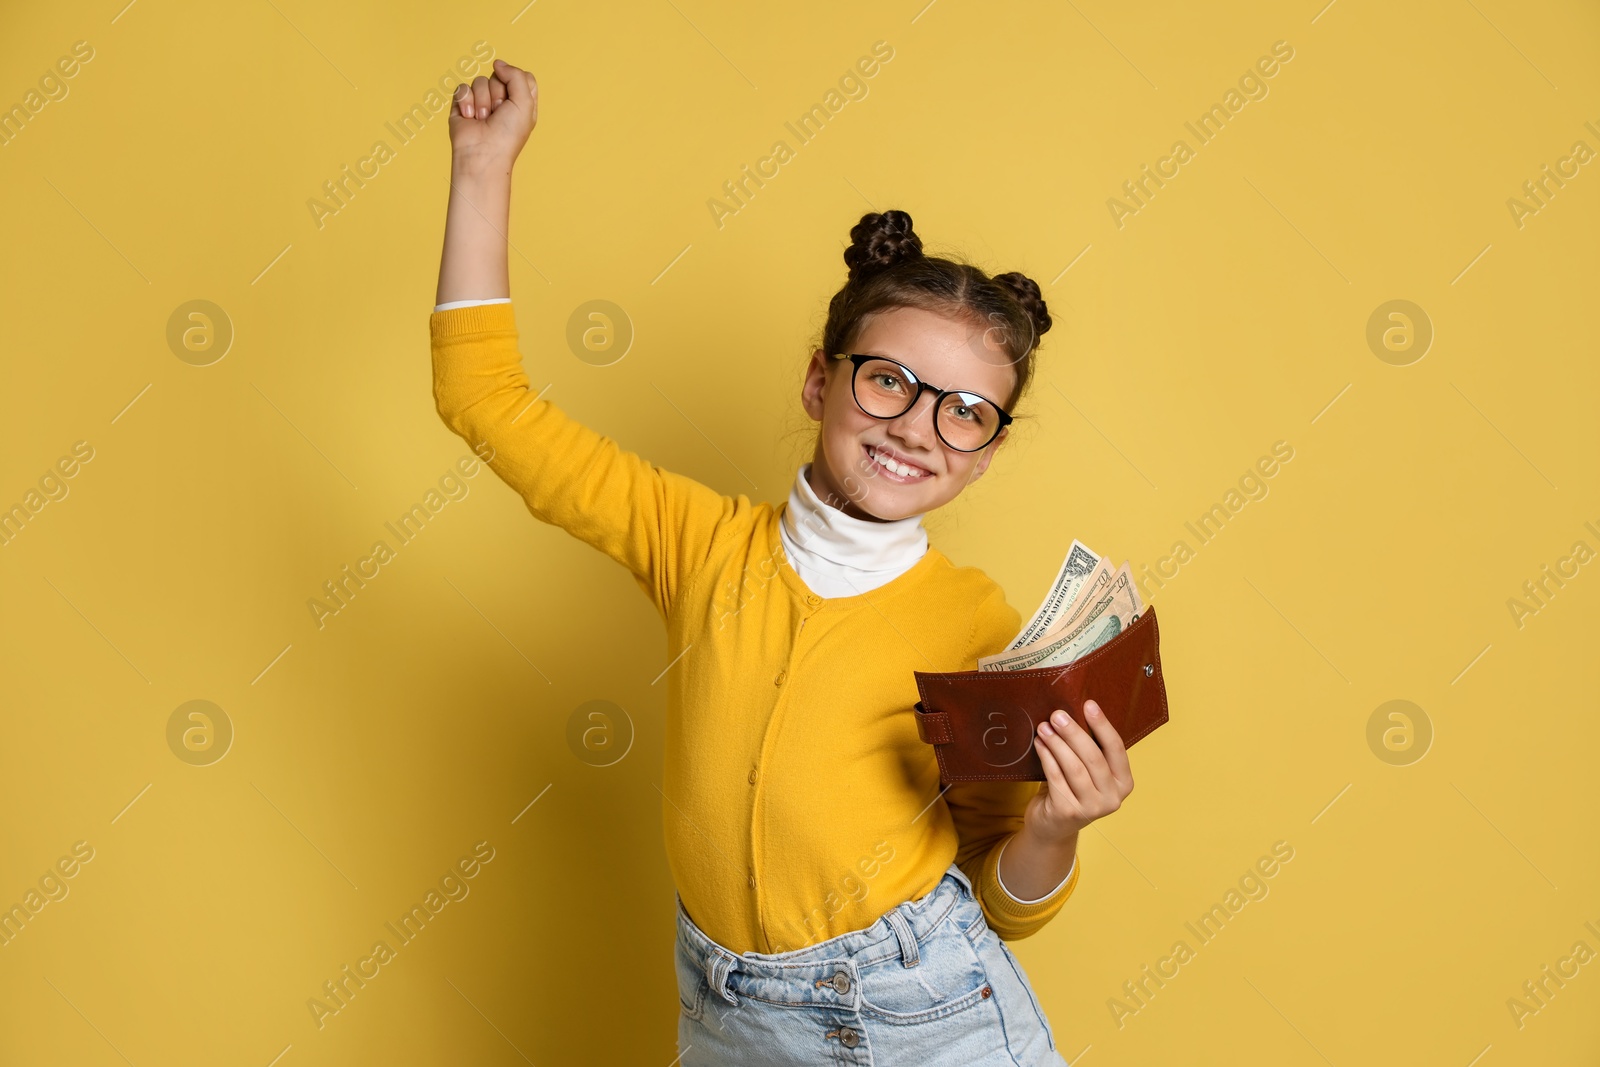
1064	844
478	166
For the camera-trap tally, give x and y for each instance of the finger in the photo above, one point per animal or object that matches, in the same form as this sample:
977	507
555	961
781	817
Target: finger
1072	769
521	88
1093	759
462	101
497	92
1060	789
480	96
1116	753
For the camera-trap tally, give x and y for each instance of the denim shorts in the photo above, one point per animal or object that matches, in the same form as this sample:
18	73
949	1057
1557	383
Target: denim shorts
929	983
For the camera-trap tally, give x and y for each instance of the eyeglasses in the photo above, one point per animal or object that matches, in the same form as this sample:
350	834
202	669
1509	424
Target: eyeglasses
887	389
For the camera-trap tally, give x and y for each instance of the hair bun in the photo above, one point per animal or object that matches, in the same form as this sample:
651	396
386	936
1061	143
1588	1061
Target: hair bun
1028	295
880	241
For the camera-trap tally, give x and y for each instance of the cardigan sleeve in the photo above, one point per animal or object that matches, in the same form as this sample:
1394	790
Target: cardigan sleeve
657	524
987	814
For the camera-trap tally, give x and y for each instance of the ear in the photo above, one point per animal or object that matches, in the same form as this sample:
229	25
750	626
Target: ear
811	390
988	454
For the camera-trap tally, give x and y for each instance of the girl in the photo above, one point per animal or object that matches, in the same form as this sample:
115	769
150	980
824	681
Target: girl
834	905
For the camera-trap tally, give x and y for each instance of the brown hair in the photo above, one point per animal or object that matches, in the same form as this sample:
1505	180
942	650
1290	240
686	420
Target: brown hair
888	270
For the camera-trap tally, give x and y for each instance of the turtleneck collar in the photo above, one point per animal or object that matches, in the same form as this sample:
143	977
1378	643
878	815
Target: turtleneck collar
837	555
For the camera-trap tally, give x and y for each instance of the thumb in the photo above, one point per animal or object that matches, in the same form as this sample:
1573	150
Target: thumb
520	86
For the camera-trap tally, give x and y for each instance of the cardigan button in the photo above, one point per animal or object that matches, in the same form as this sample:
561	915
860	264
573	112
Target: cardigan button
752	776
779	679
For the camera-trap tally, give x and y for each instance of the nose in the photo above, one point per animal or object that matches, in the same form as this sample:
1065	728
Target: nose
915	425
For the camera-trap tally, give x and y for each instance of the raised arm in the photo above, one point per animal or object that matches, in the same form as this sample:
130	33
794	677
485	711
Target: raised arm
658	524
490	121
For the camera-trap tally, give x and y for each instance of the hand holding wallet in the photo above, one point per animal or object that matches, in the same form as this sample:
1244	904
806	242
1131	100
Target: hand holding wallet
982	723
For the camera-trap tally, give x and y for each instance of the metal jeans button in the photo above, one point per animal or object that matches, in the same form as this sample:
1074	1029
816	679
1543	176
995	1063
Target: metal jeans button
849	1038
841	983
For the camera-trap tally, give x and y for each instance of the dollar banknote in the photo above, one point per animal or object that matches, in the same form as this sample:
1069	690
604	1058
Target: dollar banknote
1109	614
1075	569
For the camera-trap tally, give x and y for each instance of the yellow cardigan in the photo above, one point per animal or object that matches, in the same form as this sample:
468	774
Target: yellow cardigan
800	802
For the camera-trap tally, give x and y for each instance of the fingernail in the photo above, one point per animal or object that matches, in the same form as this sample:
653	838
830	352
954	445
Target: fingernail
1044	729
1092	709
1060	718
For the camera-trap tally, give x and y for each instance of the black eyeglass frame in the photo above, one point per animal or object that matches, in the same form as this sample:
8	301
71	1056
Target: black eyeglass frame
857	360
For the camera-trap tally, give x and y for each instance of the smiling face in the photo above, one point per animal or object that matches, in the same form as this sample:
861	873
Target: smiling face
949	353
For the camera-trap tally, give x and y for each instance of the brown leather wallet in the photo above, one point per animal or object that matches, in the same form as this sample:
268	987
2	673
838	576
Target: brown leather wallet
981	724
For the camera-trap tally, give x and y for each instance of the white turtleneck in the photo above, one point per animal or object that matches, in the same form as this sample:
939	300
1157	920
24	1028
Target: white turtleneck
838	555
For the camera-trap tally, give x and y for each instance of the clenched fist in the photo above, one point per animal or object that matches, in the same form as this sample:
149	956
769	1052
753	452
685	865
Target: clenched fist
490	120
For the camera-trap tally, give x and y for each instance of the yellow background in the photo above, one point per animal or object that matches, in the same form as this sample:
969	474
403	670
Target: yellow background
1229	313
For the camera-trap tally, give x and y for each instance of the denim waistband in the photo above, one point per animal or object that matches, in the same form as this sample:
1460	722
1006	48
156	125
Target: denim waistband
825	974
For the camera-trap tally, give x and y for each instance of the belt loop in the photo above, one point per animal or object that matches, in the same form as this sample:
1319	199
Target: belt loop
718	966
908	941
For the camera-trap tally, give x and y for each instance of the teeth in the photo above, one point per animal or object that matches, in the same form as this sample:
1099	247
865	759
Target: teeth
899	468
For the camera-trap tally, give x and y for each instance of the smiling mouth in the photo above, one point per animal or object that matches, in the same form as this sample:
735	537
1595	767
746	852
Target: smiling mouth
894	470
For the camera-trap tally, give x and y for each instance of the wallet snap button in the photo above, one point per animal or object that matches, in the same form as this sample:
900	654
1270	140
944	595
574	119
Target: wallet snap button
1149	669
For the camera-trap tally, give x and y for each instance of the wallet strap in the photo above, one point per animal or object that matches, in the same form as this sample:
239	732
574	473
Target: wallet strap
934	726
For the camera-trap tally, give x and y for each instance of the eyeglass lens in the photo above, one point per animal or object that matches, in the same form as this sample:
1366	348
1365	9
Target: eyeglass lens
966	421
